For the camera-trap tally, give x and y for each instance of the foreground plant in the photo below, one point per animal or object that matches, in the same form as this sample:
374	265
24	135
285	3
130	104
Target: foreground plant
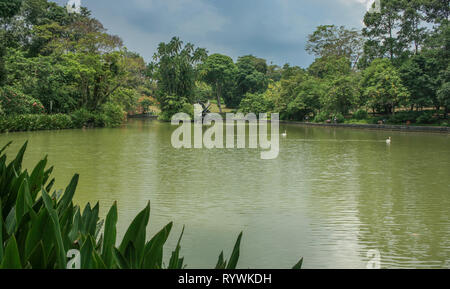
38	229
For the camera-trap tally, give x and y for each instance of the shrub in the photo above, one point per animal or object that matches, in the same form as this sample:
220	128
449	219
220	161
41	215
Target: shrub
403	117
361	114
256	103
44	227
83	118
420	117
339	118
15	102
29	122
110	115
426	118
171	105
323	116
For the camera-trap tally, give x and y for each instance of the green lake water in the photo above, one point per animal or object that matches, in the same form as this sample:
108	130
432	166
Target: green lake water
332	195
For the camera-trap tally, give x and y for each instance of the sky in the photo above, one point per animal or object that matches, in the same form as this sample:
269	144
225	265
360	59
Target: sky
276	30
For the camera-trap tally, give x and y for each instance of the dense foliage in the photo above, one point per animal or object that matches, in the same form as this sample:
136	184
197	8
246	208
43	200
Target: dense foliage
38	228
53	62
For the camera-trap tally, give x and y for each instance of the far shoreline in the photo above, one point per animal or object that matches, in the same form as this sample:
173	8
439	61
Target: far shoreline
385	127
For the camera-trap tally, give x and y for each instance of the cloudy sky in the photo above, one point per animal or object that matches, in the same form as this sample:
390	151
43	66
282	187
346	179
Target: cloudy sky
272	29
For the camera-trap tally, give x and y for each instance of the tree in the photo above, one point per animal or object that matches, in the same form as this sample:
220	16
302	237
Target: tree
307	98
175	69
250	78
412	32
330	66
218	71
381	31
2	65
420	76
437	11
331	40
256	103
342	95
9	8
382	87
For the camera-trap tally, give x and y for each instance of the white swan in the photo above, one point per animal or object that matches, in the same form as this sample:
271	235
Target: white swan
284	134
389	140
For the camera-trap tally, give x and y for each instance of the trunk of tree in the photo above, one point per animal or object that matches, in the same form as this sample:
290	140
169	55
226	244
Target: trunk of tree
218	97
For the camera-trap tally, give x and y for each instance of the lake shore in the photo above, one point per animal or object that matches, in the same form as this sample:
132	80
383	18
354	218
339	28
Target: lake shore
406	128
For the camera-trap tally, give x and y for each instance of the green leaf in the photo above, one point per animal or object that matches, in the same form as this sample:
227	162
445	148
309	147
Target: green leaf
74	232
10	222
68	194
37	178
120	259
299	265
109	236
136	232
23	202
61	252
5	147
1	231
153	253
35	234
86	252
11	259
37	258
175	261
89	220
221	263
232	264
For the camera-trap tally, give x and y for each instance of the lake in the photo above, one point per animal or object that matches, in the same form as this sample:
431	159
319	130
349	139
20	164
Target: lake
332	194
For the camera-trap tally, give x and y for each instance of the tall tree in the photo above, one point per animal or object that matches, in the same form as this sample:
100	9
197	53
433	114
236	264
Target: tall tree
412	31
250	77
218	71
331	40
9	8
175	68
437	11
381	30
382	86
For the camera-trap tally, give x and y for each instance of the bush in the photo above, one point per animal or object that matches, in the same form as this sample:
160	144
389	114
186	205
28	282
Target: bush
30	122
426	118
15	102
171	105
419	117
361	114
339	118
110	115
83	118
323	116
46	227
403	117
256	103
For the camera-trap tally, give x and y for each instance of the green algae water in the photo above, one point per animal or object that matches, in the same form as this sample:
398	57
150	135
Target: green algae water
331	196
